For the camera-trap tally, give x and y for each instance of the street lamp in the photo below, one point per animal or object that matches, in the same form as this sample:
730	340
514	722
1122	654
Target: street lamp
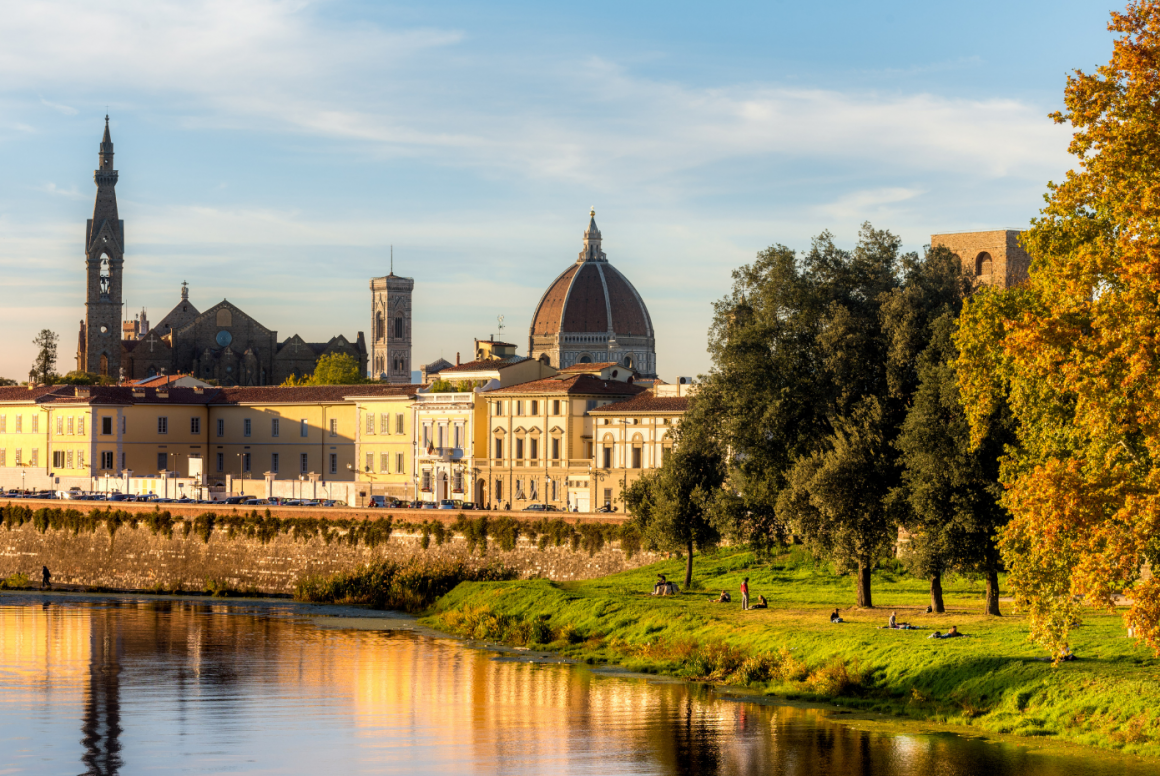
172	469
241	474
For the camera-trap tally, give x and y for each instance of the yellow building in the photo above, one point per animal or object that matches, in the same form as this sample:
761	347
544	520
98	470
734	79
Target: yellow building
384	442
536	443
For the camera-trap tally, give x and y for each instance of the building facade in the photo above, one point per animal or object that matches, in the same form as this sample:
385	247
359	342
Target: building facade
386	443
591	313
390	356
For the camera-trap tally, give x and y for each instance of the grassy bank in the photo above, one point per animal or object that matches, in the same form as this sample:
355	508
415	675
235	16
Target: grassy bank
994	680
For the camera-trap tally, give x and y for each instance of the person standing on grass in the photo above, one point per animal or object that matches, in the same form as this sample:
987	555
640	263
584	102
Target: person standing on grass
745	594
45	578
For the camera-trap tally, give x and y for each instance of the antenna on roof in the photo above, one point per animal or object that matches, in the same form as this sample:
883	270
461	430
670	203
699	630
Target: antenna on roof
499	319
392	260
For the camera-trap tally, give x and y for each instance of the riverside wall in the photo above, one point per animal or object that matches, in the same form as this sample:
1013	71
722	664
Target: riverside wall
135	557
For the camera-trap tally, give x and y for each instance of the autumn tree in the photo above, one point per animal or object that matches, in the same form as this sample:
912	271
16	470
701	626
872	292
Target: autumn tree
1075	353
45	364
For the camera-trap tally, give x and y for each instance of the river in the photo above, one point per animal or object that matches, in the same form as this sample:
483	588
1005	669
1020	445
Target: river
124	685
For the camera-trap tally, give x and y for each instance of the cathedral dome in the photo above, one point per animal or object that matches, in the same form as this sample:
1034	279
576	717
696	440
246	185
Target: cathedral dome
592	313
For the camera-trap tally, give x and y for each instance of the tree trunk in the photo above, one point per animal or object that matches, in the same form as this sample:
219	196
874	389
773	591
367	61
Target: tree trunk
864	600
689	566
936	601
993	593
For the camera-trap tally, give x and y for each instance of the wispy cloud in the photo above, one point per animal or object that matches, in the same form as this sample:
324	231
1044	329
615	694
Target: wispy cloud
56	106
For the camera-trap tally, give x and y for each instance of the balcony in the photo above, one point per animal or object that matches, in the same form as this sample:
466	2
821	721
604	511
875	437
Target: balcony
440	453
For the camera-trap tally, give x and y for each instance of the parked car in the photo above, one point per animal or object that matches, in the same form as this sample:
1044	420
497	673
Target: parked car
447	504
467	505
429	505
607	508
308	502
256	502
380	502
235	499
535	508
117	497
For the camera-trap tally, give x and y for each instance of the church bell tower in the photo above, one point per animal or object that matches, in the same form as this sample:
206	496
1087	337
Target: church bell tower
99	348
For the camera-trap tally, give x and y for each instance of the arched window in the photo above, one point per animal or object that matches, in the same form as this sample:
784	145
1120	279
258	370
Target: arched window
983	264
105	276
380	328
104	366
399	327
627	361
585	359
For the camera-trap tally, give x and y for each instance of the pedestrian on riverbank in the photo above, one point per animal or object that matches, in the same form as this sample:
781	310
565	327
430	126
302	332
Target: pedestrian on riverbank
45	578
745	594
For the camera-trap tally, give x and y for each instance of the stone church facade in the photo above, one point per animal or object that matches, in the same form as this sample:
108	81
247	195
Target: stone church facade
223	343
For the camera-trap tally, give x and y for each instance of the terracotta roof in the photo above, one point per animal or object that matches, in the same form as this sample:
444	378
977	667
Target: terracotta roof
497	342
645	403
23	393
590	367
577	384
485	364
273	394
123	394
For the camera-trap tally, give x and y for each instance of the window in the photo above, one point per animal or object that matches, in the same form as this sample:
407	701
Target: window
534	446
19	423
58	459
334	463
59	425
274	462
221	462
162	425
532	494
458	435
304	428
426	435
499	408
34	460
608	497
499	448
519	448
36	423
275	426
19	459
520	407
80	424
4	424
400	464
107	459
555	448
457	482
370	463
247	427
245	462
636	457
161	462
80	458
535	407
370	417
334	427
426	481
221	427
70	425
555	495
399	328
122	462
519	488
195	425
399	423
303	463
68	460
606	456
384	462
499	490
385	423
555	406
442	435
106	427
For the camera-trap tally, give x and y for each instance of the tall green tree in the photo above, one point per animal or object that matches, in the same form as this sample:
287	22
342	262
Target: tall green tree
332	369
676	506
45	363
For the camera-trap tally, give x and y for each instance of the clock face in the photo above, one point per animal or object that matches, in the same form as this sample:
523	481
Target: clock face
224	338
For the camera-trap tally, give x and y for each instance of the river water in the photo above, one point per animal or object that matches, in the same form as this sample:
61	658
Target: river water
108	685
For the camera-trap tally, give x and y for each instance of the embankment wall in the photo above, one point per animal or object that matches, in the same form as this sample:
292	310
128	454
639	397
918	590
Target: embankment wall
270	556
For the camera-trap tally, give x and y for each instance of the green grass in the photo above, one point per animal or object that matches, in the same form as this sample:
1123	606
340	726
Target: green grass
995	680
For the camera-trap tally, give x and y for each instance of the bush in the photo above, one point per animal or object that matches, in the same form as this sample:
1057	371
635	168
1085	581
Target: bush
411	586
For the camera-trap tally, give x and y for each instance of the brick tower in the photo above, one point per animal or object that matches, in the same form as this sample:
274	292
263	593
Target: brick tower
99	347
390	357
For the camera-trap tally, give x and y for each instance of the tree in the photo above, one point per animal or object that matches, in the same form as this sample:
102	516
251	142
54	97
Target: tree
950	492
800	389
675	506
1074	355
7	381
45	363
331	369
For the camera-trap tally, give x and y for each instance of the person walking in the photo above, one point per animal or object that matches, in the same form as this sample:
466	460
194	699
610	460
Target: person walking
745	594
45	578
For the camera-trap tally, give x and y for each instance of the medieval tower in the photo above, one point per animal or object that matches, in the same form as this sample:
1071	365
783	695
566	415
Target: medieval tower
391	328
99	345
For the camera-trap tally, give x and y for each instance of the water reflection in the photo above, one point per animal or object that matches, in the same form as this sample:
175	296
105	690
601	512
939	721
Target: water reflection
174	685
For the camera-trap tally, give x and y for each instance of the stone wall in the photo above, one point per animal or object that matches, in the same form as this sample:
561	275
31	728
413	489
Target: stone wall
995	258
137	558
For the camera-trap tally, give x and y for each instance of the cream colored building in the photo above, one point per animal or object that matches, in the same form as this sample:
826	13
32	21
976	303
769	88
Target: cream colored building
445	444
384	441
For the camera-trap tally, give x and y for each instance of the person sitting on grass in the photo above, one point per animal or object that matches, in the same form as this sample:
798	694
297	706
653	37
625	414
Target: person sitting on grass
935	635
953	633
659	585
835	617
723	598
761	603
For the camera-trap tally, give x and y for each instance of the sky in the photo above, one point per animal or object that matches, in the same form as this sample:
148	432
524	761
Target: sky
272	153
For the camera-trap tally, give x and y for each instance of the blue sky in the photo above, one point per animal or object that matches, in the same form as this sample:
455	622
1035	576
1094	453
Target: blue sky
271	152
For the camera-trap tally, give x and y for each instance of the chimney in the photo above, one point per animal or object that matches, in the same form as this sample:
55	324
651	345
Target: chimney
457	358
81	392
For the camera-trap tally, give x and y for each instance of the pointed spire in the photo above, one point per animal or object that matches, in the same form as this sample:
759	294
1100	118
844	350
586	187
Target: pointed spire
591	250
184	290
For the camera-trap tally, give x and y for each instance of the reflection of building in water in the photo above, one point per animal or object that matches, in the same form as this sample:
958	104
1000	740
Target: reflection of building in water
101	723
